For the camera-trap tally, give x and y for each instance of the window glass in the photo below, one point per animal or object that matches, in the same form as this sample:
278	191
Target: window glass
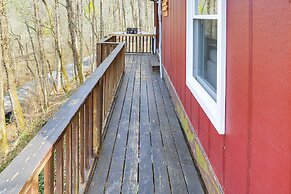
206	7
205	55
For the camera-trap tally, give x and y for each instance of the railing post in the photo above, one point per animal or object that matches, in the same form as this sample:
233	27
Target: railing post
99	54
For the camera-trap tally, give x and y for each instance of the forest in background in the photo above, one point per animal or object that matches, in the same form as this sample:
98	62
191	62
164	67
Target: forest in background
38	39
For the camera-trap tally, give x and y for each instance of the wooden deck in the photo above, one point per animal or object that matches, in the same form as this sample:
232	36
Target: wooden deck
144	150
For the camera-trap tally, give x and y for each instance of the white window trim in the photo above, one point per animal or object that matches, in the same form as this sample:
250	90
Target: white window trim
214	110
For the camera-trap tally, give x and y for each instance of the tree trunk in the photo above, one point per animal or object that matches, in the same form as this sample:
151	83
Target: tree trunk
74	42
134	18
42	58
123	15
3	133
64	77
147	19
101	19
37	65
139	8
79	18
8	63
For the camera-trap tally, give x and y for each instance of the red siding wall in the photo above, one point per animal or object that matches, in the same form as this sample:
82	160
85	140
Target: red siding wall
255	154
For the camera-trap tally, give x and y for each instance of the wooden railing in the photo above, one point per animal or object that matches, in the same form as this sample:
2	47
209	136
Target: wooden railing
61	157
136	43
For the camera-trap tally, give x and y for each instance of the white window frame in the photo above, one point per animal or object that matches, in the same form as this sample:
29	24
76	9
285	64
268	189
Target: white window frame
215	110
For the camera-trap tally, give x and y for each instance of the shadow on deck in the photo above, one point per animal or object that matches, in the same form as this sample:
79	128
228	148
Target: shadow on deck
144	149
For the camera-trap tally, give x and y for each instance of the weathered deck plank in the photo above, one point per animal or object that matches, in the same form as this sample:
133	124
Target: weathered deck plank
100	177
130	176
161	181
144	150
174	167
114	179
146	177
191	176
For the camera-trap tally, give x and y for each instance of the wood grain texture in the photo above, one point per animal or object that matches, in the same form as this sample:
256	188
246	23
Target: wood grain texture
18	175
49	176
144	150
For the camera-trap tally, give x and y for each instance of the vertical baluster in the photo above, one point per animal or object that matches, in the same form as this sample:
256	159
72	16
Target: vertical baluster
148	42
86	134
147	46
130	44
75	157
97	115
144	43
90	142
49	176
140	44
151	45
135	42
82	145
132	47
69	159
127	44
104	99
59	167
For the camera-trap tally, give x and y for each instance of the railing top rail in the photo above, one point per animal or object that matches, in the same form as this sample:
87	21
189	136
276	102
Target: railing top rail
124	34
29	162
106	39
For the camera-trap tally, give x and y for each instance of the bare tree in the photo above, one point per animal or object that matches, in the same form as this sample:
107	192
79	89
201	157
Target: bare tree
42	58
3	133
8	64
74	41
139	14
101	19
62	76
123	14
134	17
90	15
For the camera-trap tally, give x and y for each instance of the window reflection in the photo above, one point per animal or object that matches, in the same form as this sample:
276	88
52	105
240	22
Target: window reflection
207	7
205	54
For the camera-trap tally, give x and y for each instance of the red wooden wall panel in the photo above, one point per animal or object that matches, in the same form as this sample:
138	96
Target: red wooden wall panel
237	97
254	156
271	133
216	152
204	124
194	116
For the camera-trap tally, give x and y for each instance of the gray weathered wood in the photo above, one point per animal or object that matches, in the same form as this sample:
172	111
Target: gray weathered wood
146	178
130	176
190	174
26	165
99	179
176	176
162	184
144	150
116	168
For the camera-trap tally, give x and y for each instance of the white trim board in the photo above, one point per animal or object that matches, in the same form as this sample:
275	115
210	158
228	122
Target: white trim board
215	110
